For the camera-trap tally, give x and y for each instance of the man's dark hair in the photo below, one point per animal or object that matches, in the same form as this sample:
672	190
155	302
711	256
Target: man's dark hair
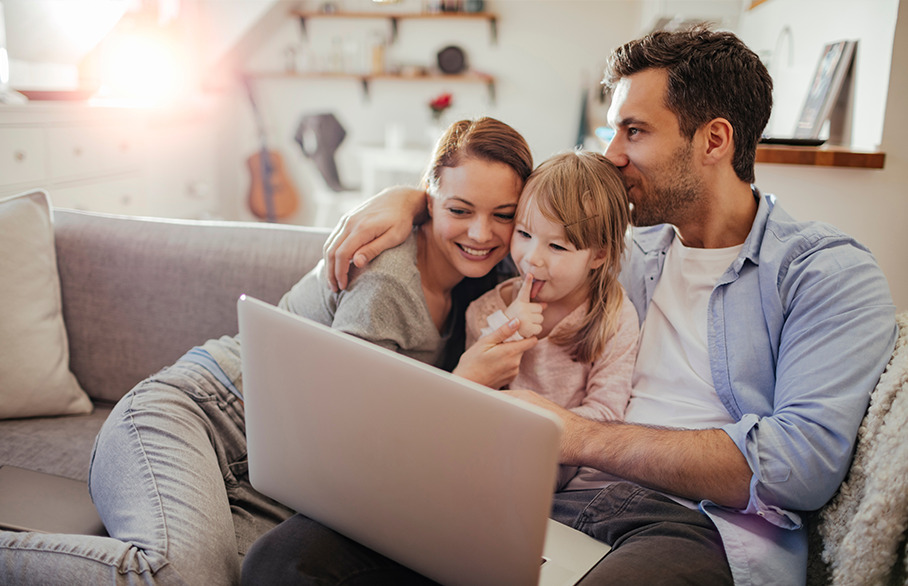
711	74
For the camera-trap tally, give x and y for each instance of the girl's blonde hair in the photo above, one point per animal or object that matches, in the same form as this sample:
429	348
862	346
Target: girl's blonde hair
584	193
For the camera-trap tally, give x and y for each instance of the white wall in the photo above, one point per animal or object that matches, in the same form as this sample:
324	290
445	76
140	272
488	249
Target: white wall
549	51
871	205
789	35
546	54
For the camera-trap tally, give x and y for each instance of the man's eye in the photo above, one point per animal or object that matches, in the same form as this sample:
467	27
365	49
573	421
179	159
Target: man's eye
633	131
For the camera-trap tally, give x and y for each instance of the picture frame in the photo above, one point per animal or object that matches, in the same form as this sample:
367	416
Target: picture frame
828	83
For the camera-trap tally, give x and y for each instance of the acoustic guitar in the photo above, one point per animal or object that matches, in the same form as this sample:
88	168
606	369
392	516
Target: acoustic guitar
272	195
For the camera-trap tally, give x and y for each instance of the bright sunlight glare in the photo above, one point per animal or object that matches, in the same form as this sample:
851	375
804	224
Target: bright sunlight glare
83	23
143	68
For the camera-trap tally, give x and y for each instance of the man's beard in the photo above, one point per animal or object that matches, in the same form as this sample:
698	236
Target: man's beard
670	199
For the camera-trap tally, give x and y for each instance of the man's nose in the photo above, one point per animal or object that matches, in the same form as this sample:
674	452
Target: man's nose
614	152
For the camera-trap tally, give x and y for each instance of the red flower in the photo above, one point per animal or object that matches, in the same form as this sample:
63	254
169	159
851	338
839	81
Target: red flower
440	103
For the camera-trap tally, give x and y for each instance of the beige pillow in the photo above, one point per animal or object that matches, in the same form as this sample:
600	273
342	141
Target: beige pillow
35	379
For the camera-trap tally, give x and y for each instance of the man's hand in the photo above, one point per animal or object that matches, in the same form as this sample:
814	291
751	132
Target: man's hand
522	308
493	362
379	223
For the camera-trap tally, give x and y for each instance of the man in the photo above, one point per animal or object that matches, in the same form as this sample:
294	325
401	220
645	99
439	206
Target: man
749	386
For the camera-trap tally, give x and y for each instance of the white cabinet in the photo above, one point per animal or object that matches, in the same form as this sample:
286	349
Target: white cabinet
113	196
22	154
87	149
115	160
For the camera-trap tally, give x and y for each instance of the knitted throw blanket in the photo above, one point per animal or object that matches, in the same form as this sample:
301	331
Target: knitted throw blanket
864	526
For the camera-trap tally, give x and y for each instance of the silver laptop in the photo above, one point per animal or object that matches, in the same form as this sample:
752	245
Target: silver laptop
445	476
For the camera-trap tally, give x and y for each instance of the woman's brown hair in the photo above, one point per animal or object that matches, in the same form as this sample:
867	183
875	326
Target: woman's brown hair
486	139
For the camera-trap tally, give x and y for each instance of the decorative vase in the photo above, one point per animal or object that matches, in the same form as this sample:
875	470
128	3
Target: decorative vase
434	130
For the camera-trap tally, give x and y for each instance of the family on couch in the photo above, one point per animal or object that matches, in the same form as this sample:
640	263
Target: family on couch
745	399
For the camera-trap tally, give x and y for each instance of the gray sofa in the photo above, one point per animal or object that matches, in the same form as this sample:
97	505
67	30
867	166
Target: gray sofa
138	293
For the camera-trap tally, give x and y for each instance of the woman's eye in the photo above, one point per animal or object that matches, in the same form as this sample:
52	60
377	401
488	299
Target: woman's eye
457	211
505	217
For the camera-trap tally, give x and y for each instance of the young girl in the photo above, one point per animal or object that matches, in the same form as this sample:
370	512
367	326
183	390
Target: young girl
567	244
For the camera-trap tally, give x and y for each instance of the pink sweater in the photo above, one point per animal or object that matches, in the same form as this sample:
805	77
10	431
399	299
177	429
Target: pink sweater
599	390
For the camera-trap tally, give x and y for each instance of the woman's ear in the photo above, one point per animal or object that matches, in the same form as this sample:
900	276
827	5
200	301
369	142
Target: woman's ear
429	201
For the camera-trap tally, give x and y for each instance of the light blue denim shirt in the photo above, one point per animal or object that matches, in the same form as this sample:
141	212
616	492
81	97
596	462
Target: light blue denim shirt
801	326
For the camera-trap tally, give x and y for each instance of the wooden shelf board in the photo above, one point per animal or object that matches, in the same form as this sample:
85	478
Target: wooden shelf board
397	15
825	156
465	77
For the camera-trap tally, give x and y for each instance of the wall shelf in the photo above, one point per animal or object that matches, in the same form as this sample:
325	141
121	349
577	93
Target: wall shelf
395	17
825	156
366	79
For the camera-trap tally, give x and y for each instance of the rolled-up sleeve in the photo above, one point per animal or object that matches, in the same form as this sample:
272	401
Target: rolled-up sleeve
829	333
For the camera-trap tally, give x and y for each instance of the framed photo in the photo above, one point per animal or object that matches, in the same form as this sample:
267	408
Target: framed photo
835	64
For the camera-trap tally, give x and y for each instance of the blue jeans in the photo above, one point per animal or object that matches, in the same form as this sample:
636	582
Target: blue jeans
169	479
654	541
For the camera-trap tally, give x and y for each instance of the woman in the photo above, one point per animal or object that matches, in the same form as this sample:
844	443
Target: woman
405	300
169	473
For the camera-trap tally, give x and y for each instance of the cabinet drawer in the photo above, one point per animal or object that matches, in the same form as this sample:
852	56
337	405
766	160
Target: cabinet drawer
22	155
118	196
77	151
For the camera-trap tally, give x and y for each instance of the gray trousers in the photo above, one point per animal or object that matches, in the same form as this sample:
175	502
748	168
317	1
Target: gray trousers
654	541
169	479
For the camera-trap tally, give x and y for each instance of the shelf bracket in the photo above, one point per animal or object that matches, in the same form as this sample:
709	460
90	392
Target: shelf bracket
365	82
303	25
490	85
393	20
493	29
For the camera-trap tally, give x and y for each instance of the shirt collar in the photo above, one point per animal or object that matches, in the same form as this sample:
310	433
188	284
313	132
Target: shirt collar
751	249
651	239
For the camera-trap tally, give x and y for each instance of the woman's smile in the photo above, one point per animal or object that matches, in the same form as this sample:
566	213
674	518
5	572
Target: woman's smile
480	253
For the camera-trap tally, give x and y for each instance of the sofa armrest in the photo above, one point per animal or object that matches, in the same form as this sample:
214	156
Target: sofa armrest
139	292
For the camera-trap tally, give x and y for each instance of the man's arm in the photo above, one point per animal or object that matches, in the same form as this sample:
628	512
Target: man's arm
379	223
695	464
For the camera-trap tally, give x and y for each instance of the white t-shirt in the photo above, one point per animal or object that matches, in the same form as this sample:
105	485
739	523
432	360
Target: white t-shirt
672	383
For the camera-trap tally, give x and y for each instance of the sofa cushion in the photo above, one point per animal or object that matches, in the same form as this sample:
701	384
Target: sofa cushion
56	445
139	292
35	379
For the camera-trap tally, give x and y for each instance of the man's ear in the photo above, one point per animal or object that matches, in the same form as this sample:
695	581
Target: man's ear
719	137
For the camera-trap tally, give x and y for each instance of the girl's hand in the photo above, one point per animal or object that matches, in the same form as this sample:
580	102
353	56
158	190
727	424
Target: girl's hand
493	362
528	312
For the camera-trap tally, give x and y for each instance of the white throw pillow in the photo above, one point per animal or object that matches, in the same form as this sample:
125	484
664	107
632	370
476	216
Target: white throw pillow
35	379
